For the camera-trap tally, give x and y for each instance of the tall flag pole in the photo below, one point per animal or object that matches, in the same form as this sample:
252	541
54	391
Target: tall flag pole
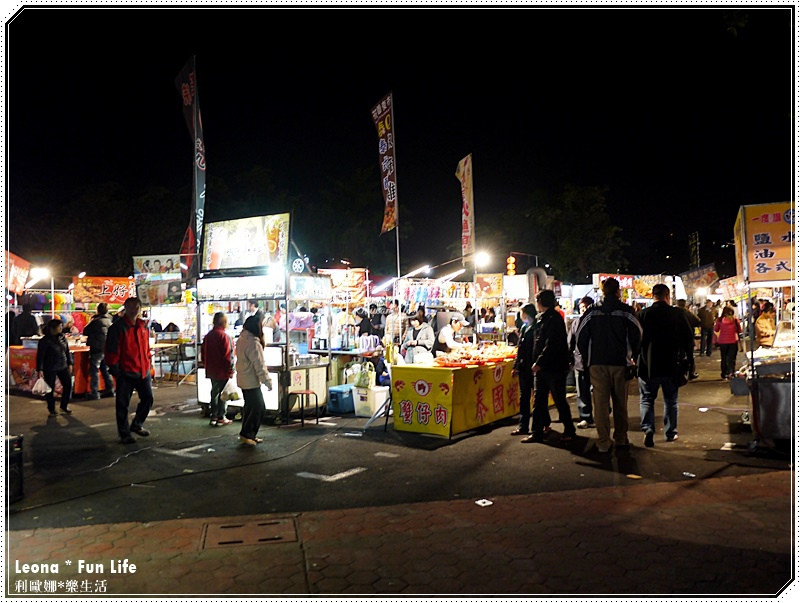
464	174
383	117
186	83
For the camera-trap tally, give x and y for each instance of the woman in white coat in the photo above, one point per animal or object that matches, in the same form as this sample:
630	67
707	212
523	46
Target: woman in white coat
251	372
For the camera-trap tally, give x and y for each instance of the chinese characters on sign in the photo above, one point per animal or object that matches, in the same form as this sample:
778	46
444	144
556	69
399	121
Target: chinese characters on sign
464	175
765	241
108	289
383	116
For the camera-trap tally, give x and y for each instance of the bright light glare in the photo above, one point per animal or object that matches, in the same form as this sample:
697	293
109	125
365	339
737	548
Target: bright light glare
81	274
451	276
482	259
384	286
36	275
702	291
426	269
184	266
71	286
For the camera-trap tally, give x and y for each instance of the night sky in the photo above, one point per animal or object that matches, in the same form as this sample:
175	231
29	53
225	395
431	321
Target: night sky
683	113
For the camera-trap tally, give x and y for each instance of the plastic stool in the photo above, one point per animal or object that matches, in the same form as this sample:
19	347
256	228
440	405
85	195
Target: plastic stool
304	397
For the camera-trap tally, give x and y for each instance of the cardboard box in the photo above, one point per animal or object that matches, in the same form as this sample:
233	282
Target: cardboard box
369	400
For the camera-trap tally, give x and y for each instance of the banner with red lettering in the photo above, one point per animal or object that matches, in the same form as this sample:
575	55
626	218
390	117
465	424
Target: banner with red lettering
108	289
464	175
16	273
383	117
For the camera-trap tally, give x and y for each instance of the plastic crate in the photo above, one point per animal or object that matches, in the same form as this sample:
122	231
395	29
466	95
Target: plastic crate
341	399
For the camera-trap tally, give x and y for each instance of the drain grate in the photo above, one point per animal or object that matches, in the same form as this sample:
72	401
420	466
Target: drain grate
248	533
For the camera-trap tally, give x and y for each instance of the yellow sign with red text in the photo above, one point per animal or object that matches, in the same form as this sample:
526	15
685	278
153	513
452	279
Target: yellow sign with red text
446	401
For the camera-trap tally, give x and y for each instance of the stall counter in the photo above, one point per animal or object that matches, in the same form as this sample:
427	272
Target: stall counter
22	364
448	401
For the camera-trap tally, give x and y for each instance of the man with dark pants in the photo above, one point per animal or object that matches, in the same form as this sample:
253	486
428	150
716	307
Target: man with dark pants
608	338
96	333
550	366
666	336
708	317
128	359
217	353
522	368
583	384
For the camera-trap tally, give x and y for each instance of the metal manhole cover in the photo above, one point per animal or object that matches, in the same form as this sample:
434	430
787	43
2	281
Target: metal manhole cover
248	533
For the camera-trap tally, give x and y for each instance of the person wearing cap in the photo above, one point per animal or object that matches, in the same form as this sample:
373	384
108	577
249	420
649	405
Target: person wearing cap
445	342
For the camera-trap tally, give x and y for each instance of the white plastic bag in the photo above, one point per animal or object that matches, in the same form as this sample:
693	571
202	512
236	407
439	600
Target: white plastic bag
230	391
40	388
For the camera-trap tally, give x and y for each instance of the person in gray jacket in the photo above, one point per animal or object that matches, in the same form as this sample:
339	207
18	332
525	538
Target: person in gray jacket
609	337
419	338
96	332
251	373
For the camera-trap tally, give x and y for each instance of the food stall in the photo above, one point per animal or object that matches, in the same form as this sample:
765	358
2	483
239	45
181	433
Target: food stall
245	260
764	239
86	292
638	288
459	392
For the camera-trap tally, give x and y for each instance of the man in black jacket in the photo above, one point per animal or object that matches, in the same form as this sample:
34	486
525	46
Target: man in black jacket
666	338
550	367
96	332
608	339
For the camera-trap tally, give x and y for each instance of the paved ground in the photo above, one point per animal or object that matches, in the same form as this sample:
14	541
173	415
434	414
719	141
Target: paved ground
711	514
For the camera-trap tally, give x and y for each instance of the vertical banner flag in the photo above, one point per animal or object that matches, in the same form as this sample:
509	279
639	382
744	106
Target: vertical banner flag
464	174
186	82
383	116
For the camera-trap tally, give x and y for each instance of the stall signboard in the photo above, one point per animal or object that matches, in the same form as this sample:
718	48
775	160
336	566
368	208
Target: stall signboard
108	289
489	285
349	285
228	288
445	401
640	286
311	287
764	238
157	266
730	288
16	273
159	292
254	242
704	276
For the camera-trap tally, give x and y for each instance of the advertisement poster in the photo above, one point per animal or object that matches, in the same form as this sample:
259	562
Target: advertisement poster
383	117
146	265
311	287
16	273
159	292
254	242
108	289
444	401
349	286
765	242
464	175
489	285
704	277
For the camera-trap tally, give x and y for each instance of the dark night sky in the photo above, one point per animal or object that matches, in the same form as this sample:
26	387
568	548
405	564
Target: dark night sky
681	119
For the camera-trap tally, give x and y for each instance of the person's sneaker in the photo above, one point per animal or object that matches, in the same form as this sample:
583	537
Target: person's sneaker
224	421
66	411
648	439
671	438
517	432
213	422
693	376
95	396
533	439
140	431
247	441
584	424
258	440
53	413
602	448
128	439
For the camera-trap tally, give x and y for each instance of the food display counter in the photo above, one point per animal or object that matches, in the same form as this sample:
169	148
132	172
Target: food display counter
22	364
447	400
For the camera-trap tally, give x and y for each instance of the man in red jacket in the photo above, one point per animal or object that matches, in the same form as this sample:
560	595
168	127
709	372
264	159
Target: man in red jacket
218	361
128	358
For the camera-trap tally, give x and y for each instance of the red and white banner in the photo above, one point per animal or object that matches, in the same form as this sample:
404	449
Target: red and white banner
383	116
464	174
16	273
108	289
